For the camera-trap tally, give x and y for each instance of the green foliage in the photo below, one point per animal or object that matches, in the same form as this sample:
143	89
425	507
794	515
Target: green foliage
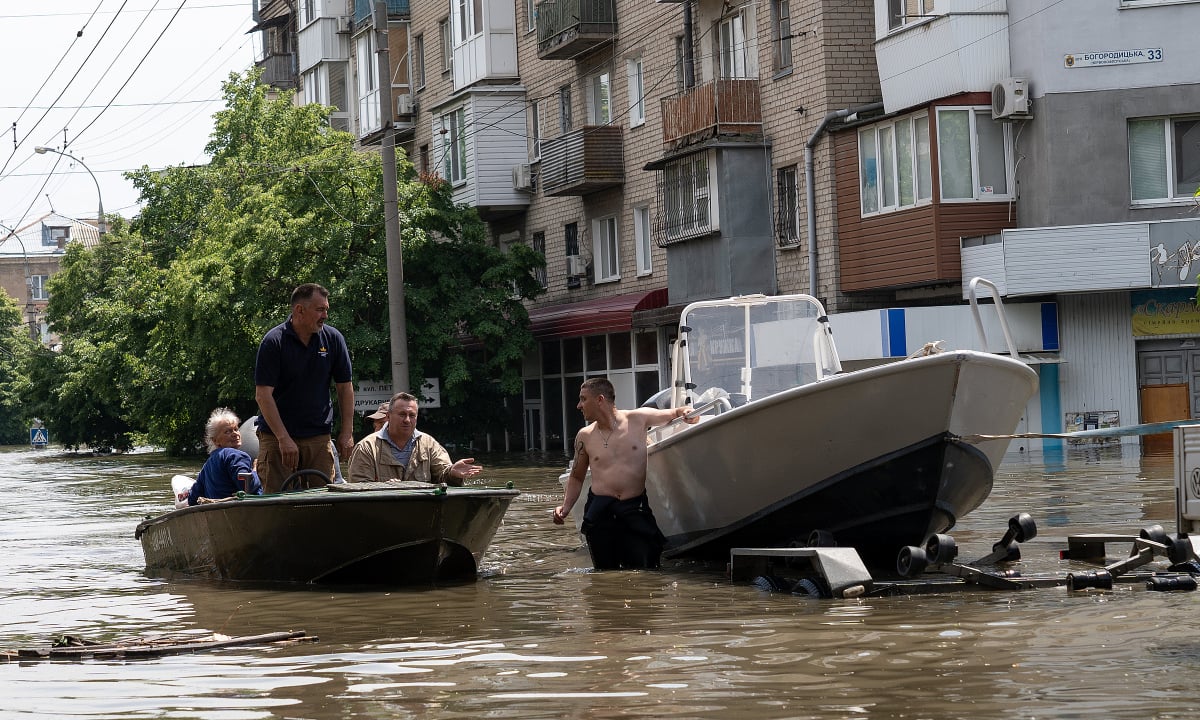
16	347
161	322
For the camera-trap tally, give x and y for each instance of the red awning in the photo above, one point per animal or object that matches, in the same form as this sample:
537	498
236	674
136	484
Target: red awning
593	317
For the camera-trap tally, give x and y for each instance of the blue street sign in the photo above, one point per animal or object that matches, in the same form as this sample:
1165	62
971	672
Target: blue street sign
39	436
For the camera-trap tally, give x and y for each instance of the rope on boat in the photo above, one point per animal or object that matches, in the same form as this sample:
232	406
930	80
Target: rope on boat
1126	430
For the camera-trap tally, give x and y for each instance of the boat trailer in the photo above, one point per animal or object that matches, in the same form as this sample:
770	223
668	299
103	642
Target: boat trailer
821	570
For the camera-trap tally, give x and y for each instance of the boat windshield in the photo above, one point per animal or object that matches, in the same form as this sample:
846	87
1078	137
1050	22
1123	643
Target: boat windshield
748	348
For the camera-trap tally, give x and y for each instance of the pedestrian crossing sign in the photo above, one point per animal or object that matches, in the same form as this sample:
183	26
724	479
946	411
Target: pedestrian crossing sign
39	436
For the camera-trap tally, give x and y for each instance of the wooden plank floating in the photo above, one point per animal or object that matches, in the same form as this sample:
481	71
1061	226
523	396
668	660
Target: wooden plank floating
69	647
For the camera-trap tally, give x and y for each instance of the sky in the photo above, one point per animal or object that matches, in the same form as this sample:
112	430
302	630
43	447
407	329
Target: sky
118	84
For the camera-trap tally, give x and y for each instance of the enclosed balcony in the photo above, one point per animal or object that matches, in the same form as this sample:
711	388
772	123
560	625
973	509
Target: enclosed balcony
583	161
278	71
364	8
566	28
721	107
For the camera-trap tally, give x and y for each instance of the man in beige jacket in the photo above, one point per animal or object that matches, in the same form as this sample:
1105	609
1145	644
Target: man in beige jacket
401	452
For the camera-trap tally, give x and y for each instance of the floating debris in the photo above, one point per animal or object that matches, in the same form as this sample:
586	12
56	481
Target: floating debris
71	647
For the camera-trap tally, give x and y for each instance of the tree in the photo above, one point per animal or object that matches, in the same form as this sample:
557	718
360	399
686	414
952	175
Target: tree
167	312
16	348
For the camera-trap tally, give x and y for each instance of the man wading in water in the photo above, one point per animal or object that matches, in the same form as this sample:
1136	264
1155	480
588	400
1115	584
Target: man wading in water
617	521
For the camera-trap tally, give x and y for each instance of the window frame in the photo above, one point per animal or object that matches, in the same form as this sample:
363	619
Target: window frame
787	219
37	287
977	195
689	198
635	71
530	16
1168	153
367	84
565	119
642	240
535	134
606	249
918	173
600	98
898	13
454	145
781	36
447	42
418	55
538	243
468	17
734	37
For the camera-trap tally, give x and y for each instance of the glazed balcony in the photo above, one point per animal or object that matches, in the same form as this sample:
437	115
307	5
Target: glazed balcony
364	8
566	28
721	107
583	161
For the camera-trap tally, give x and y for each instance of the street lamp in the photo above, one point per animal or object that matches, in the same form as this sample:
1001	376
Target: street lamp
42	150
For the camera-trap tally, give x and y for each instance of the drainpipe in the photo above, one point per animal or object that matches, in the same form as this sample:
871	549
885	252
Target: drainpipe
810	197
689	62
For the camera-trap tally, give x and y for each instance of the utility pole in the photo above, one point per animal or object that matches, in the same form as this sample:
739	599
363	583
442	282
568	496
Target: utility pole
391	216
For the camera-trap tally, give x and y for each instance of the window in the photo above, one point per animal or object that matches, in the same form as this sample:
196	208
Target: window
530	15
679	59
687	199
599	99
539	246
787	218
903	12
733	46
564	108
55	236
1164	159
418	62
604	249
468	19
535	133
637	92
454	145
447	45
308	11
781	35
894	164
423	154
369	118
37	287
974	154
571	238
641	239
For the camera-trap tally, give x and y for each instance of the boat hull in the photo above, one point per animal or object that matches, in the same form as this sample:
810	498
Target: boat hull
363	537
873	457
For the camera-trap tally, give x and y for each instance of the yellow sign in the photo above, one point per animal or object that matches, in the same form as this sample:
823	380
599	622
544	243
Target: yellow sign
1165	315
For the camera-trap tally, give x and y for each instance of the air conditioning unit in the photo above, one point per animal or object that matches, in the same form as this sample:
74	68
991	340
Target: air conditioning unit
576	266
1010	99
344	24
522	176
404	104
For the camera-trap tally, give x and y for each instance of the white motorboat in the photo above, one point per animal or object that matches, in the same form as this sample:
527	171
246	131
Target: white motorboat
788	445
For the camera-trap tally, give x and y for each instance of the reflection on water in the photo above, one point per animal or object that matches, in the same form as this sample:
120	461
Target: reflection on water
540	636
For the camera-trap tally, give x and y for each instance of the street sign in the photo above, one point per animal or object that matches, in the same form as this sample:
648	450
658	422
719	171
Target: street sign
370	394
39	437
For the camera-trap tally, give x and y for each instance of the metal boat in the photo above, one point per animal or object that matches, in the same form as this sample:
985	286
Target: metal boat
791	451
379	533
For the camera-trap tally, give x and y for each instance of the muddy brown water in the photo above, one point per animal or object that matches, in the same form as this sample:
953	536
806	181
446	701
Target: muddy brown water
541	636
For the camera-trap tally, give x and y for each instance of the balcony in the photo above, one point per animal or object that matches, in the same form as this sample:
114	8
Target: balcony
566	28
583	161
364	8
277	71
721	107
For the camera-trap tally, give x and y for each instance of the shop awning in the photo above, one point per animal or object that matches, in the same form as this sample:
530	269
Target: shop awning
593	317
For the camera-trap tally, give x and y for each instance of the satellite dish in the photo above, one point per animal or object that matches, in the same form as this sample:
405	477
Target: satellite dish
249	436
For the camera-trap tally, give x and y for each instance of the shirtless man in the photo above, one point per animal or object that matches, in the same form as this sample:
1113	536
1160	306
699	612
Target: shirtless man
617	521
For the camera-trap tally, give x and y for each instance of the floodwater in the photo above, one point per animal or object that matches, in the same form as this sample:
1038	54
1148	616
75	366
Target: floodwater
541	636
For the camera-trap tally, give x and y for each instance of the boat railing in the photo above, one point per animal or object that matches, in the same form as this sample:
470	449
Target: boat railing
716	406
972	297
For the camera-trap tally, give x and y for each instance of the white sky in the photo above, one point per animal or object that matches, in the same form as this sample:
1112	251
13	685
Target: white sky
162	117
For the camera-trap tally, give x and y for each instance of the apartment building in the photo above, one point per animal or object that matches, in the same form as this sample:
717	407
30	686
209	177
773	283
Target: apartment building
29	255
1050	147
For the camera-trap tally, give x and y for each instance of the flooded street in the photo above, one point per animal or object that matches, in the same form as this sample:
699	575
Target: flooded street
540	636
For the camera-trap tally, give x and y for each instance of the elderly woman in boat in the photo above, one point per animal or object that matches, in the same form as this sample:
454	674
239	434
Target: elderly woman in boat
226	460
401	452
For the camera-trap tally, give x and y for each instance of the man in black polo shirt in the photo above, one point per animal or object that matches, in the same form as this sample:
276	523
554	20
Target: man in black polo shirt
296	362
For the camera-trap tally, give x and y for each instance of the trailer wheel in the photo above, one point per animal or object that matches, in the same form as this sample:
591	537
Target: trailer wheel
1023	527
941	548
1154	533
911	561
807	587
1179	549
